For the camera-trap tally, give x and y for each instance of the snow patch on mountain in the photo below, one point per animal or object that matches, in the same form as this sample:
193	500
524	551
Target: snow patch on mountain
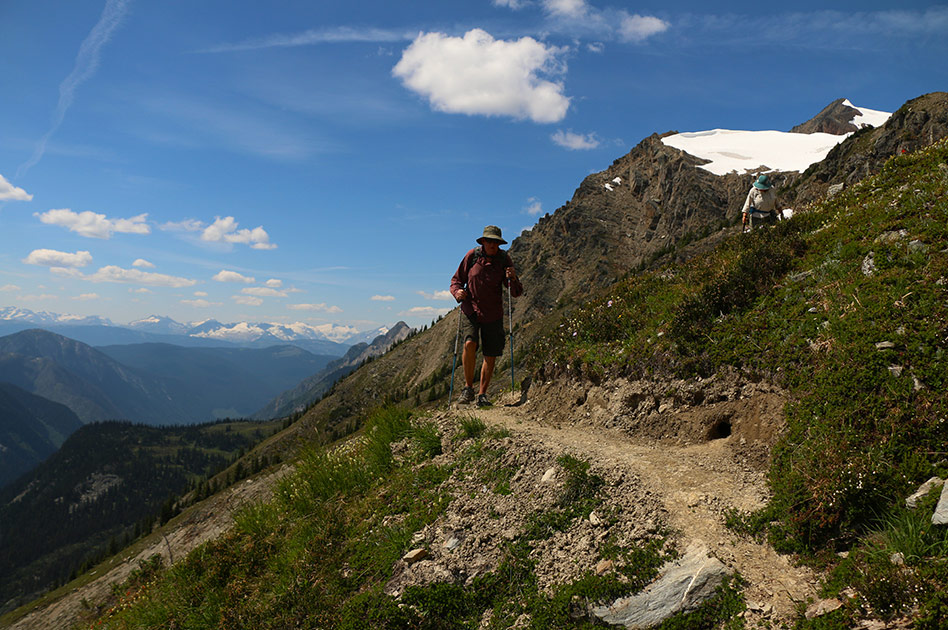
868	117
237	332
13	313
729	150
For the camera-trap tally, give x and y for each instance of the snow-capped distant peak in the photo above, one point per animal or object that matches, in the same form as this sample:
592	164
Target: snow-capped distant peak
47	318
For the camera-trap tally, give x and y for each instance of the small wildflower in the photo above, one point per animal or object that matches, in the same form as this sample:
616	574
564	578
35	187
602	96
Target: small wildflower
609	304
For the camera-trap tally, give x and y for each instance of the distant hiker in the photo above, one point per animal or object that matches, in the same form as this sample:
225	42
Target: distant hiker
761	203
478	285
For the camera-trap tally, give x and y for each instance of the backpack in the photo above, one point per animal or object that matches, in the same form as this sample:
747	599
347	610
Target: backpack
478	254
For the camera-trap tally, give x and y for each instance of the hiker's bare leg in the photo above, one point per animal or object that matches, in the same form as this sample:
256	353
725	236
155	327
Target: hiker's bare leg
468	357
487	371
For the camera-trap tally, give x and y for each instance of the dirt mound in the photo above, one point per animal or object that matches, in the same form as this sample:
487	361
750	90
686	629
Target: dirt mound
674	412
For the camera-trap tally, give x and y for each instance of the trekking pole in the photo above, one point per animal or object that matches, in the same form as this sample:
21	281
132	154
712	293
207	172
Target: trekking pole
510	319
455	362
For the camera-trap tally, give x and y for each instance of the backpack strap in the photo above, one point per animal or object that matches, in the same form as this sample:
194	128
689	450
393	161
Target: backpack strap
478	254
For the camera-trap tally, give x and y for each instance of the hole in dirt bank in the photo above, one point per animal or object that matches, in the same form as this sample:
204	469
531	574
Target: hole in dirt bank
719	430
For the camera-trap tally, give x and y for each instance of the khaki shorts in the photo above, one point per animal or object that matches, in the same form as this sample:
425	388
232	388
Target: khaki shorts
489	336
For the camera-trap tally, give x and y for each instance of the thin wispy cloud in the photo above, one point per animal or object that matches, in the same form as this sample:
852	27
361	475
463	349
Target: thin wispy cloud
829	29
87	62
383	298
313	37
189	121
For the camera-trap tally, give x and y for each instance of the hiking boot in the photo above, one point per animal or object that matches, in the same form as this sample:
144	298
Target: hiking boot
482	400
467	396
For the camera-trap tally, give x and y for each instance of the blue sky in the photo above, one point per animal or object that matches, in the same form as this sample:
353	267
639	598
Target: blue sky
330	162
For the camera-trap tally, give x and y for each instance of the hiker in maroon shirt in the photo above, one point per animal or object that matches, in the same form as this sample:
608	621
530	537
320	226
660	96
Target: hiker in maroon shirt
479	285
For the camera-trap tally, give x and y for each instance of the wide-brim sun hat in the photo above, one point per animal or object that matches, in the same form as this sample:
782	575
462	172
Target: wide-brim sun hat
492	232
763	183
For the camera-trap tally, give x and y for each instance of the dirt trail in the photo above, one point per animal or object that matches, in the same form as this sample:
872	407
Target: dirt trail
696	484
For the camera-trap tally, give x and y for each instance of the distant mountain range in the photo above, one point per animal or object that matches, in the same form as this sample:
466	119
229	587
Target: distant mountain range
310	389
330	339
152	383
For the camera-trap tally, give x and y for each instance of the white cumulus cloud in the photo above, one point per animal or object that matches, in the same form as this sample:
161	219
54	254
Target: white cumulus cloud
533	207
437	295
566	8
263	292
200	303
322	307
141	262
187	225
224	230
575	141
424	311
92	224
53	258
200	293
9	192
112	273
479	75
274	283
247	300
383	298
225	275
638	28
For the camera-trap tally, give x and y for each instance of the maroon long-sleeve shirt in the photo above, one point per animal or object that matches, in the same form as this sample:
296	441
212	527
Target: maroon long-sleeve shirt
484	277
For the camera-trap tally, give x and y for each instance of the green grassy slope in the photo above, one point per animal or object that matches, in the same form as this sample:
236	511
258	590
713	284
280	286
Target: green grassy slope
845	305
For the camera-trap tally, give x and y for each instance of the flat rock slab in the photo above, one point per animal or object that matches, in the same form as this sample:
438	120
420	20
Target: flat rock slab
923	491
682	586
940	517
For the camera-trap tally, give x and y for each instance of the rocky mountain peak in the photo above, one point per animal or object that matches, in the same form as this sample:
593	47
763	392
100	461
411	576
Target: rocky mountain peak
836	118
